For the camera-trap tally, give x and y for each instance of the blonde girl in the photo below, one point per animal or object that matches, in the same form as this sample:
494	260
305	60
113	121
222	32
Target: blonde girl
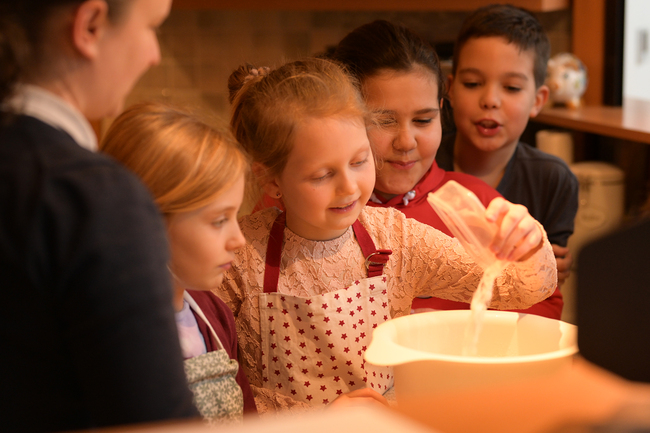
312	282
195	173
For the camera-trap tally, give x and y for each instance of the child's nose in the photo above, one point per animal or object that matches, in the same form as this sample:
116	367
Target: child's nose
237	239
489	98
405	140
347	184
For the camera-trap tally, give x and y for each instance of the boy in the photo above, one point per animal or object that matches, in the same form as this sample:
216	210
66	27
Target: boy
496	85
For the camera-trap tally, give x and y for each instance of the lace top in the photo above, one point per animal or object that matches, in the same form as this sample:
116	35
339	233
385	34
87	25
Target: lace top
424	262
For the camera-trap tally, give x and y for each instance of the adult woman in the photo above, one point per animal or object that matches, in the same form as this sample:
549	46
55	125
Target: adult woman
89	338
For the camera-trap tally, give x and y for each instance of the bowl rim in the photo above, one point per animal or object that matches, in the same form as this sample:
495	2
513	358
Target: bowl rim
417	355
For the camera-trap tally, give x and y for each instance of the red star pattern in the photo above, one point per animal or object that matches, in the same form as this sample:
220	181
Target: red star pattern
334	358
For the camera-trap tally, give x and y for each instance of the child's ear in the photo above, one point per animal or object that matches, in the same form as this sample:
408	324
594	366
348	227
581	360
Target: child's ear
268	183
450	90
88	27
541	96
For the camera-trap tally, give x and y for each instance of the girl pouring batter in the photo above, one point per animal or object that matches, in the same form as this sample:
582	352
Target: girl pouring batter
312	282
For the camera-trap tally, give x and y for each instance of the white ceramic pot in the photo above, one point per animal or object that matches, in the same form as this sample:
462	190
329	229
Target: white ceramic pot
426	350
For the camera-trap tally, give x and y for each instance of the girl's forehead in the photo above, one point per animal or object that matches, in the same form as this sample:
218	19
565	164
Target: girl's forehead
321	139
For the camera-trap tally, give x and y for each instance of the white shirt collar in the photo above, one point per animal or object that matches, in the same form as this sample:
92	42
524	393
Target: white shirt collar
37	102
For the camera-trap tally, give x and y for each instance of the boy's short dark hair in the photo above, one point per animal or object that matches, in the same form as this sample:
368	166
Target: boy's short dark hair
516	25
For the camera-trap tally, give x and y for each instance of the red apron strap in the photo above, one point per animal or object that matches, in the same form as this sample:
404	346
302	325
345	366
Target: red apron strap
274	254
375	259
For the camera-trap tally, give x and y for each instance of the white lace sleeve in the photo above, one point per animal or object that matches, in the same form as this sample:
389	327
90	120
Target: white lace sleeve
426	262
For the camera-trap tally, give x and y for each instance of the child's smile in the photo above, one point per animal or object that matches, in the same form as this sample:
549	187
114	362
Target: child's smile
409	134
328	178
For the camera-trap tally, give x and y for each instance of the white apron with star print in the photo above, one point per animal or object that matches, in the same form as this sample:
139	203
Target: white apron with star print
313	347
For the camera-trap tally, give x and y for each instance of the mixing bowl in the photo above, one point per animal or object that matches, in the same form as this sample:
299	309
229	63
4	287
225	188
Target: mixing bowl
426	349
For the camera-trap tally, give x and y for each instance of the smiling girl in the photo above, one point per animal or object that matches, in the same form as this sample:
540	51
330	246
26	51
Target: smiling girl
196	176
312	282
401	81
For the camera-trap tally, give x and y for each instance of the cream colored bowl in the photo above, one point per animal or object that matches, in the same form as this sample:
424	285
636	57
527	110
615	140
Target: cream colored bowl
426	350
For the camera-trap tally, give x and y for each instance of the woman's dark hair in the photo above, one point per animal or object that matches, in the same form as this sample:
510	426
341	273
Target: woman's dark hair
22	35
382	45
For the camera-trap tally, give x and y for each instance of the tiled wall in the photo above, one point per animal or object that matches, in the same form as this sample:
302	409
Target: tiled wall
201	48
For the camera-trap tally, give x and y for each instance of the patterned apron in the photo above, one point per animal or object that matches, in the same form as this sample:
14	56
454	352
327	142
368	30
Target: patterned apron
312	347
211	378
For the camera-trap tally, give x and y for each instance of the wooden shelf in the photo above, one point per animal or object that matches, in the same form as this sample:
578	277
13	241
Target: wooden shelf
629	122
365	5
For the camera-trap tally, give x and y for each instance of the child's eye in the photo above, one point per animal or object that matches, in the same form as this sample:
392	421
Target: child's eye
359	163
321	178
219	222
470	84
425	121
513	89
386	120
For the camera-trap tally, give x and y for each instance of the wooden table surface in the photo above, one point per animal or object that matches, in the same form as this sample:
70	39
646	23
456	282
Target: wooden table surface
629	122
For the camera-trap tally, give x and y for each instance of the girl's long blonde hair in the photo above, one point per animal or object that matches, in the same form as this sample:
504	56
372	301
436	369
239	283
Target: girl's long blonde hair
184	161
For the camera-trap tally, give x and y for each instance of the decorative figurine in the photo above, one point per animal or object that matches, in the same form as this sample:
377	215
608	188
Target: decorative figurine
567	80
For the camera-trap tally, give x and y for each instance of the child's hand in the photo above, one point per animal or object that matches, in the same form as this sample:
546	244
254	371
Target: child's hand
519	235
564	261
361	396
